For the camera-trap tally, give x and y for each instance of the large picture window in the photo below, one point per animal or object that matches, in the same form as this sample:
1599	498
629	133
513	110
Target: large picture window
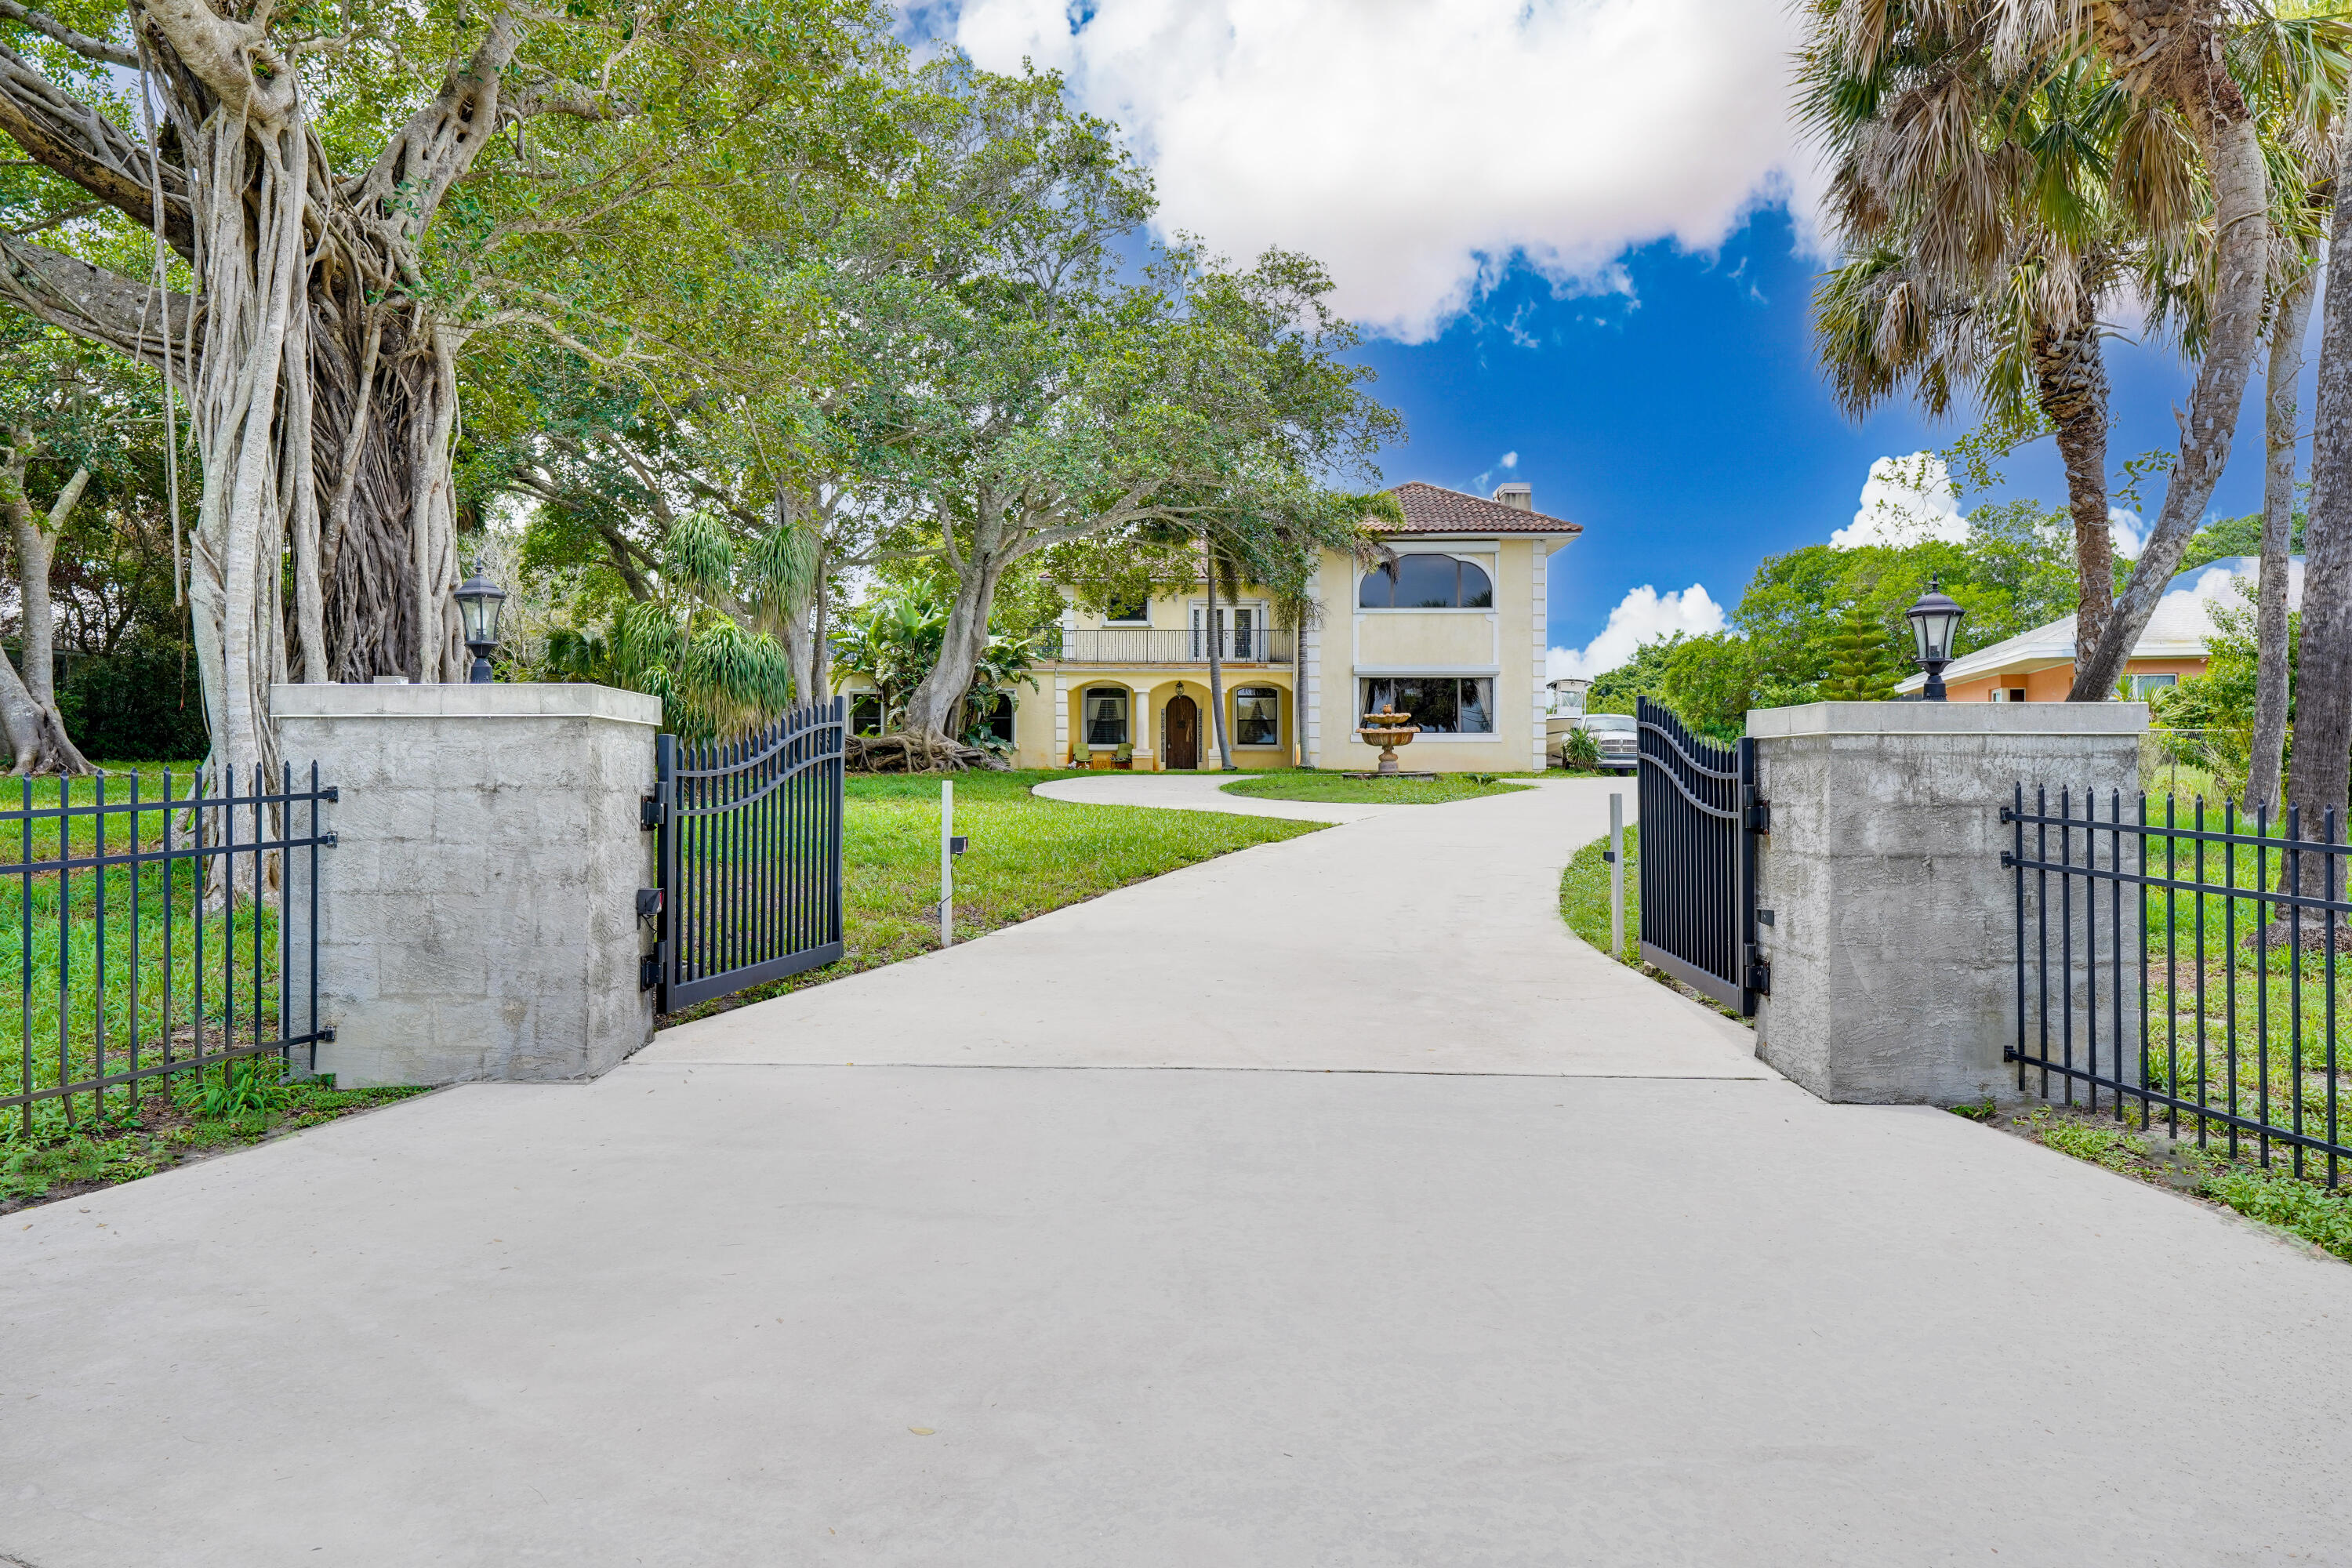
1426	583
1105	716
1440	704
1258	716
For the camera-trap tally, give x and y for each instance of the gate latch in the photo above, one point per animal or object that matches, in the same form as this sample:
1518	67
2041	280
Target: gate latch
650	815
1759	816
959	844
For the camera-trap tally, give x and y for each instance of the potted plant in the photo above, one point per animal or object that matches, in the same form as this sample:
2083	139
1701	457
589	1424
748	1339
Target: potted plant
1080	756
1124	758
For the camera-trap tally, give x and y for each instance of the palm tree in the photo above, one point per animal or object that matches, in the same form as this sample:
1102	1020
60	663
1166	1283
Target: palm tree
1916	92
1989	220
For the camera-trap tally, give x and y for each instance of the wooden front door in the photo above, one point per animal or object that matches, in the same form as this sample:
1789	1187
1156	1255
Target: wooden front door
1183	733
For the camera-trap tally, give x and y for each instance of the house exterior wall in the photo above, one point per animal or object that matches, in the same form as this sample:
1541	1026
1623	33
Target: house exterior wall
1341	648
1504	644
2051	683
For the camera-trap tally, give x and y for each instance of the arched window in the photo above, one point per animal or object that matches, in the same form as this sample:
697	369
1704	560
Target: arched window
1258	716
1106	715
1426	583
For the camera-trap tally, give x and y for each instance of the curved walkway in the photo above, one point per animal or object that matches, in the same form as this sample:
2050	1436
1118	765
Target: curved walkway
1203	792
1416	939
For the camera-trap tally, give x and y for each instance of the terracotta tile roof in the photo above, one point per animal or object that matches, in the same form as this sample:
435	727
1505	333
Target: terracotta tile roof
1429	510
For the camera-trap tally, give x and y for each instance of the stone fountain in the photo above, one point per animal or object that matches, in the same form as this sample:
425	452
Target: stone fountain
1388	729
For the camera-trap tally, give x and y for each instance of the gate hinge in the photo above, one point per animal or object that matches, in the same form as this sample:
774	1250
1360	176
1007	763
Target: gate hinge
326	841
1759	816
1760	972
2007	860
649	970
651	813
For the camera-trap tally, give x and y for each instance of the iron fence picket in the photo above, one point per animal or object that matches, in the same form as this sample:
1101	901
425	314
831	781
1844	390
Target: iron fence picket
2192	1073
93	1053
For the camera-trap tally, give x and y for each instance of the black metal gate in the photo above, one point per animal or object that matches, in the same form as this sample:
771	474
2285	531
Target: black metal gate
750	857
1700	816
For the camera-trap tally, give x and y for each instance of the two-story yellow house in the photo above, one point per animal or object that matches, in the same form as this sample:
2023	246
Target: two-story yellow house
1454	633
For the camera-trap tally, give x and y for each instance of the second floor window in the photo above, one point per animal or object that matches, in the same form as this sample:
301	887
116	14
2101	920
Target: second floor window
1127	612
1426	583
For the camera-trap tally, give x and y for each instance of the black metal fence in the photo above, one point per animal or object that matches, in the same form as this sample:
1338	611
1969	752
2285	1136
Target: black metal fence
1700	814
750	857
2184	964
156	934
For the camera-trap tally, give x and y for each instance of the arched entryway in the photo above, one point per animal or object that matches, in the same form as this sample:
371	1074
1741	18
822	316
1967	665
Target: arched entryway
1183	721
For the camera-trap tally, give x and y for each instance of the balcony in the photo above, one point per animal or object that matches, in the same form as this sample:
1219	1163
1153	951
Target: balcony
1141	645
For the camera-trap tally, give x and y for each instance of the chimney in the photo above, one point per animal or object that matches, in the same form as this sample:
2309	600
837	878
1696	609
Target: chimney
1517	496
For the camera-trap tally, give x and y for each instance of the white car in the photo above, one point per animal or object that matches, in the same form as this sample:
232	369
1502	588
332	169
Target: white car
1614	735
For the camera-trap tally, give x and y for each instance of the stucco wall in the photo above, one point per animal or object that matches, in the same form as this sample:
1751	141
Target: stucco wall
1504	645
478	914
1893	939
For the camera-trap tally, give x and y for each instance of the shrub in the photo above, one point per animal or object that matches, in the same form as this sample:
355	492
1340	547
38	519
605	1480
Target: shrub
141	705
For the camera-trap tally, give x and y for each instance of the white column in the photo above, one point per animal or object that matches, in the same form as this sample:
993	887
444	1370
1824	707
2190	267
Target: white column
1542	615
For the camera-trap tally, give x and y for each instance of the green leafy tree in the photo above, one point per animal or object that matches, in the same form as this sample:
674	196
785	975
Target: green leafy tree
353	196
1859	669
1040	374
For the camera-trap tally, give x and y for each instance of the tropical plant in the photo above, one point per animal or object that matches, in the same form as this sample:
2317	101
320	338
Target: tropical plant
1581	752
1983	252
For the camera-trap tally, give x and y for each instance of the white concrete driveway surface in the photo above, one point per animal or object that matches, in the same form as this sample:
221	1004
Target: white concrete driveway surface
1426	939
752	1312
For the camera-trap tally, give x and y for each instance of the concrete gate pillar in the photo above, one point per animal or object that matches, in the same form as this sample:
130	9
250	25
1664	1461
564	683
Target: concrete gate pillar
1892	933
478	914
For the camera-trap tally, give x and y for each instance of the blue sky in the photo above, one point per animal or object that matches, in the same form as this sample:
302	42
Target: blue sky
1578	230
1685	425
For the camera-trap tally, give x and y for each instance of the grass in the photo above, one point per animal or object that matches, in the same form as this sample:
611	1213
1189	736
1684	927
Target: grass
1584	896
186	1120
2299	1207
1029	854
120	781
1302	784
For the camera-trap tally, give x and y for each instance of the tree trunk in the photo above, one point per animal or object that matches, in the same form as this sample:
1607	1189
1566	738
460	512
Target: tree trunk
2292	319
938	696
28	707
2318	779
2150	40
1216	664
2071	381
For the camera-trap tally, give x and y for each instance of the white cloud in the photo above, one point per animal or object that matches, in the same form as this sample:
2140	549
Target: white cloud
2130	534
1904	502
1510	460
1643	616
1415	146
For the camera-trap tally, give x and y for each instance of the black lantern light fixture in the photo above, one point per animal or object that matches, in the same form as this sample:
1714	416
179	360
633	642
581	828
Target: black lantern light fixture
1935	622
479	601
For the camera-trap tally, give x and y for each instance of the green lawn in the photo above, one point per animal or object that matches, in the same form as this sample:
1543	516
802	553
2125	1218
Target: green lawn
185	1121
1300	783
1028	855
1584	895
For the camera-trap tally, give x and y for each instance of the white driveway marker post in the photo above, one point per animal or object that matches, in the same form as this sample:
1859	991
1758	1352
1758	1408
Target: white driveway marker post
947	863
1616	876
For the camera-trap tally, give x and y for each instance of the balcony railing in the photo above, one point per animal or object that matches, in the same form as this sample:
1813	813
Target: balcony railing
1140	645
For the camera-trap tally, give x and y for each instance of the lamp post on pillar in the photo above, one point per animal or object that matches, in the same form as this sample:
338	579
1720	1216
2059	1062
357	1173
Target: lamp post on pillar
1935	621
479	602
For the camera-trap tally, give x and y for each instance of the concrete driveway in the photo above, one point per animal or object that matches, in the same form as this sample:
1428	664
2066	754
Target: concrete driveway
722	1307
